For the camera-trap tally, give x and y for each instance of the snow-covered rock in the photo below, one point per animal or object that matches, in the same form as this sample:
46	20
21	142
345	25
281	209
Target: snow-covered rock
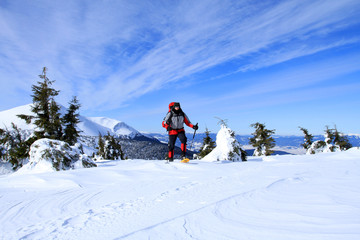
47	155
227	147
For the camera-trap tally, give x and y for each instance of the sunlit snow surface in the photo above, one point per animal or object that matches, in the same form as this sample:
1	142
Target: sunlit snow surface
278	197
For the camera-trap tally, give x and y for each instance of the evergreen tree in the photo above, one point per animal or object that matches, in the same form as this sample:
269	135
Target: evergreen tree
329	135
101	147
237	150
308	138
329	139
262	140
112	148
70	120
13	146
317	146
208	145
45	108
227	146
334	141
55	127
341	140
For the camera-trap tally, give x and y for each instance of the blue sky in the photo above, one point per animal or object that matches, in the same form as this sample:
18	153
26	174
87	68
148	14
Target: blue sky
283	63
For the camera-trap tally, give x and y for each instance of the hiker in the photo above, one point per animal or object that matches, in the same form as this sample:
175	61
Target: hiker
174	124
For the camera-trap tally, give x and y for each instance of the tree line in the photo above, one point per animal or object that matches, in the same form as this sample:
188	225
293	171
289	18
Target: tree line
263	142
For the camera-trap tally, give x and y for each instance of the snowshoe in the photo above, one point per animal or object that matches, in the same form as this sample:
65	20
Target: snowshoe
185	160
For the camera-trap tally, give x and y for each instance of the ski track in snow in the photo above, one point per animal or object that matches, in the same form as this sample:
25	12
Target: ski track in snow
279	198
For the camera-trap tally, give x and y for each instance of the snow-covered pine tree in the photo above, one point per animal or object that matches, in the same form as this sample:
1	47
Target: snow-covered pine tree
48	123
55	127
101	147
208	145
49	155
308	138
341	140
329	140
334	141
262	140
14	147
236	149
45	108
70	120
323	146
112	148
316	147
227	147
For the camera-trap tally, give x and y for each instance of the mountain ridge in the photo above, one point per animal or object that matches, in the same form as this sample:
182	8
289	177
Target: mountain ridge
89	126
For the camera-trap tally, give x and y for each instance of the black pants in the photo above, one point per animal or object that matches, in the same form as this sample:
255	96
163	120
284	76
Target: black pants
172	140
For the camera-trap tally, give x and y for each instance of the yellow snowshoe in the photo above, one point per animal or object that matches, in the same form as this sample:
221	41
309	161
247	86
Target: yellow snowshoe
185	160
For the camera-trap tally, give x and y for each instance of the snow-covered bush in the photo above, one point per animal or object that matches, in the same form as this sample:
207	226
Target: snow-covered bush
308	138
208	145
262	140
54	155
109	147
227	147
113	149
14	146
334	142
322	147
316	147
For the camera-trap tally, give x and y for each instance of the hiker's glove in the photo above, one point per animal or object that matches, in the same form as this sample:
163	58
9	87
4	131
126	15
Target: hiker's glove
169	128
195	127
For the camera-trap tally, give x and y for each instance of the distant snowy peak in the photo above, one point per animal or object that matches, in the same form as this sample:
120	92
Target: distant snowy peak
113	126
89	126
354	135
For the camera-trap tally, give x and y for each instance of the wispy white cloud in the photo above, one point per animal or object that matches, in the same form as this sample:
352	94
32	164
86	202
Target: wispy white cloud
300	83
204	37
283	54
304	76
113	51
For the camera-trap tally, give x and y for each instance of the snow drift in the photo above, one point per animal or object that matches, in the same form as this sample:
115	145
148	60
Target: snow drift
302	197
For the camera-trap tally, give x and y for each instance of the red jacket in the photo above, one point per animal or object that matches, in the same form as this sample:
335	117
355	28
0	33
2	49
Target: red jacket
176	121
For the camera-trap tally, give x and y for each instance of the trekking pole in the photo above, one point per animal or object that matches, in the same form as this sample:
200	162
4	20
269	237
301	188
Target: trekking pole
193	138
167	160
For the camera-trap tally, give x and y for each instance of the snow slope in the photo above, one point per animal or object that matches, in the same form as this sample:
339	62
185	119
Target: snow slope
277	197
90	126
9	116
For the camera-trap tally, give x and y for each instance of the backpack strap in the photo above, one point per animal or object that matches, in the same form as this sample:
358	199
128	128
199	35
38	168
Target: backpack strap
169	120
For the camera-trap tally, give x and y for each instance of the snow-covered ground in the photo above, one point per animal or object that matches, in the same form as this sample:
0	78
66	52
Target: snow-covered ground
278	197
